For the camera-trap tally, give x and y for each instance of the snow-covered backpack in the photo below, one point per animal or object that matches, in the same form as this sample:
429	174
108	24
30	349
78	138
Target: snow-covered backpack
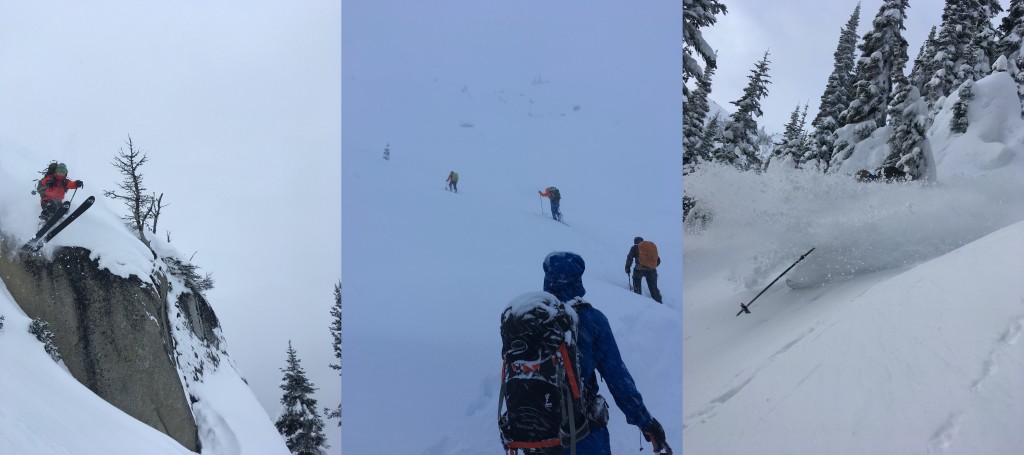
555	195
540	384
647	254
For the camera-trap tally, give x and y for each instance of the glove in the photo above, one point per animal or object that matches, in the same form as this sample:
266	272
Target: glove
79	184
627	270
655	434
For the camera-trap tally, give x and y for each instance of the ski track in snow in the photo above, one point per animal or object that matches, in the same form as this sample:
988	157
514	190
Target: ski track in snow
947	433
1009	338
707	412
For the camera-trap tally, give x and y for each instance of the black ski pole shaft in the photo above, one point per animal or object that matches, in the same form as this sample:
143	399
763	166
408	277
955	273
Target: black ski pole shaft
746	308
73	193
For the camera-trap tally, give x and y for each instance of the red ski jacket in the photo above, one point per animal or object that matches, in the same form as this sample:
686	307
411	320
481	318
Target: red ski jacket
54	188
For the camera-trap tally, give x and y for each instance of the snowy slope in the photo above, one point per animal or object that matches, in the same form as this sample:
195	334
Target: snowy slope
229	418
428	273
912	349
46	411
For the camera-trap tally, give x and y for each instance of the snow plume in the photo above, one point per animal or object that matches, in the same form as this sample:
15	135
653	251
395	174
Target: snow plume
774	217
899	333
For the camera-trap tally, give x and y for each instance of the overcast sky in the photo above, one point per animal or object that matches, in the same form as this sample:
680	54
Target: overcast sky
801	36
237	103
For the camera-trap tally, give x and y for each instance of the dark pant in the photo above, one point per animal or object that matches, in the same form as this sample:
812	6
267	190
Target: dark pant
453	186
652	282
554	211
597	442
49	208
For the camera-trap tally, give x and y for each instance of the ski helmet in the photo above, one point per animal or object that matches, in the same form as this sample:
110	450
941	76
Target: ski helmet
62	168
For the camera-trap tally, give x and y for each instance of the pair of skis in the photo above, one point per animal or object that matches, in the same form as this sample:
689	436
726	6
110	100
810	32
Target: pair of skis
54	225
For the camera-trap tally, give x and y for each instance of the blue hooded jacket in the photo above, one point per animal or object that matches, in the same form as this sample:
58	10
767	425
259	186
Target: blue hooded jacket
563	277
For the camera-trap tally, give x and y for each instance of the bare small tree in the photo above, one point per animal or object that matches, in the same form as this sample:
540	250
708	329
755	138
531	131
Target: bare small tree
158	205
141	206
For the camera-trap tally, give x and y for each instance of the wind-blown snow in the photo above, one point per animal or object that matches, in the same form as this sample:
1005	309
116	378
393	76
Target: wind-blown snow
910	343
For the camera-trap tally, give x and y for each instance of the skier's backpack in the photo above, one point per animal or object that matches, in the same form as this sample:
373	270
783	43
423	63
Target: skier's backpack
555	195
647	254
540	384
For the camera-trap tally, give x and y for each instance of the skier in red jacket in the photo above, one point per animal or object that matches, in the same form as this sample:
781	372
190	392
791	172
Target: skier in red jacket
52	187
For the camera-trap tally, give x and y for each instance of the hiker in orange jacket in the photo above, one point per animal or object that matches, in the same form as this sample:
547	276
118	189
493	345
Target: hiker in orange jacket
646	266
555	196
53	186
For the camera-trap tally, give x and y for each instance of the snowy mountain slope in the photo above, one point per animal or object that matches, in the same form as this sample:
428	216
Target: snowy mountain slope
909	362
914	349
428	272
45	411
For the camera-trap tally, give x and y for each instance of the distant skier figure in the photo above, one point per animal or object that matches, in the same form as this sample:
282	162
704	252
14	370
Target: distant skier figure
453	182
52	187
645	255
553	194
598	352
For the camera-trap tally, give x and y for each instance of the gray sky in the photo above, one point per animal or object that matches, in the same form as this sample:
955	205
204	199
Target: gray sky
801	36
237	104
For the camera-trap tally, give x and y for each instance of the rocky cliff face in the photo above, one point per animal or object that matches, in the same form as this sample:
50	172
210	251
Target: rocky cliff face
116	335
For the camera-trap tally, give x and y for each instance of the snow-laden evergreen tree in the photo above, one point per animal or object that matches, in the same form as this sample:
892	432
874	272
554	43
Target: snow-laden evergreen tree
740	136
958	124
909	147
698	14
299	422
965	46
789	150
1011	29
1011	45
923	62
336	335
883	54
711	138
837	95
694	114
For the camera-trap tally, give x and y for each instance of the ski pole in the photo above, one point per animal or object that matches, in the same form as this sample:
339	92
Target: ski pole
541	204
73	196
628	282
746	308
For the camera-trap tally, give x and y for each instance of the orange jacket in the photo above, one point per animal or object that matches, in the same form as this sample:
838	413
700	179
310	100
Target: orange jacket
51	187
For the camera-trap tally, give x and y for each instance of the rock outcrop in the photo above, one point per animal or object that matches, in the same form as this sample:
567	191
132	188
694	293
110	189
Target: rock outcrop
113	333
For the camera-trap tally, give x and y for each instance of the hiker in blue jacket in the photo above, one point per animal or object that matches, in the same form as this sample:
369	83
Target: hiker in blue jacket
598	352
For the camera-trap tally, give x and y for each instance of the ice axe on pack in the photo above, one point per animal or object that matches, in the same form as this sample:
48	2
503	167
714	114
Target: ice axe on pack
746	308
